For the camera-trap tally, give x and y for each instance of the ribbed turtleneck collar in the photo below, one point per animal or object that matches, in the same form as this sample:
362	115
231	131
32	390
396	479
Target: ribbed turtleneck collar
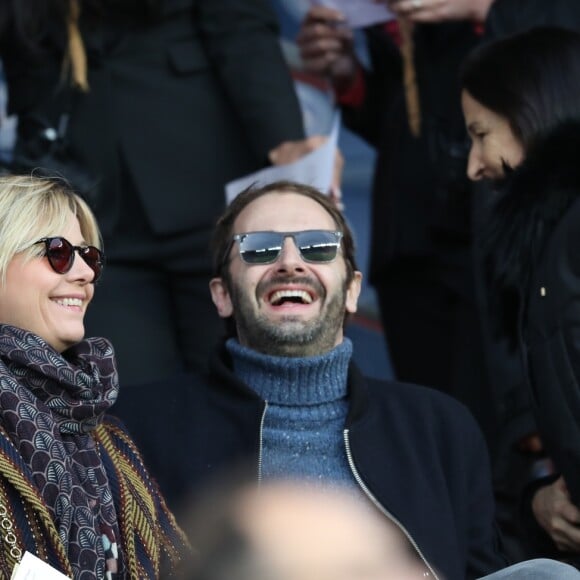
290	380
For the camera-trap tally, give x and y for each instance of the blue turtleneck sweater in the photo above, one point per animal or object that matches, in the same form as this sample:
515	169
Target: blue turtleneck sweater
307	407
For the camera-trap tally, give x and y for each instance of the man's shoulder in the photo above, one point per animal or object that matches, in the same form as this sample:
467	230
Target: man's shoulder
392	388
416	401
406	420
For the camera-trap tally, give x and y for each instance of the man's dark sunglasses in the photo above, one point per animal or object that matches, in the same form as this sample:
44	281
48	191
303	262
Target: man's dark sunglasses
315	246
61	255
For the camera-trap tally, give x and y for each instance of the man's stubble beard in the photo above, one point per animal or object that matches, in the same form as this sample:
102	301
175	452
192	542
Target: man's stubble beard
289	336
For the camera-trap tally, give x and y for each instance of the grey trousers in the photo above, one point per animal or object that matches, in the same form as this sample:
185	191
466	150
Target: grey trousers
540	569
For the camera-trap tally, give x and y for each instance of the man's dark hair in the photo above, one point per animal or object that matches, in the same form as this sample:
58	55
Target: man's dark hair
223	232
531	78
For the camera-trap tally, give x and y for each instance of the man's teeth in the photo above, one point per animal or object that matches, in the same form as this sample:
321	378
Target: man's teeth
294	295
69	301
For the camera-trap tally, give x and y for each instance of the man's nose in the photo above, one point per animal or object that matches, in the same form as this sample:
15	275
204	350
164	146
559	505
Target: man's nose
290	259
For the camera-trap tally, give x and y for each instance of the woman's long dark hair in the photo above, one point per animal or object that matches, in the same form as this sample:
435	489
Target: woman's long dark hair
531	78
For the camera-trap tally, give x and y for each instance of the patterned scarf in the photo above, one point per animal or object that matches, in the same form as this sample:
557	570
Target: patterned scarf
49	405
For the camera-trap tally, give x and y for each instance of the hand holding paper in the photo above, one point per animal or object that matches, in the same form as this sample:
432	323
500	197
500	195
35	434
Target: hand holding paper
359	13
313	161
291	151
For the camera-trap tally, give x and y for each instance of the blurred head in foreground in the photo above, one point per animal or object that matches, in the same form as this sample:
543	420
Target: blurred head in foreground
289	531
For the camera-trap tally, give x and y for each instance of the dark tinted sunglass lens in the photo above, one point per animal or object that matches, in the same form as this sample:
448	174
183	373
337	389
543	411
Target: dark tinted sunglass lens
317	246
260	248
60	254
94	260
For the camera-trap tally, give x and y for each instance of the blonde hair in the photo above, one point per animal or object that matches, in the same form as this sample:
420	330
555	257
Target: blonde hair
32	208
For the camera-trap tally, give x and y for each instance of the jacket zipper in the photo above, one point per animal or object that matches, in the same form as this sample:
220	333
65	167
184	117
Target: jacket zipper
383	510
260	447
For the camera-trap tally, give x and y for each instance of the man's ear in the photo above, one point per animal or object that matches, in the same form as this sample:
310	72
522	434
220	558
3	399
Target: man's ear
353	292
221	297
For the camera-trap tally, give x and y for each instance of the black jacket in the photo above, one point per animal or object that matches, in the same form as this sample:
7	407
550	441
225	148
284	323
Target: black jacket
536	266
184	97
420	190
418	453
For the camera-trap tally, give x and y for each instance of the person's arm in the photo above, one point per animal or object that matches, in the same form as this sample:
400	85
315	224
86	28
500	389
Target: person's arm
290	151
241	39
243	46
327	49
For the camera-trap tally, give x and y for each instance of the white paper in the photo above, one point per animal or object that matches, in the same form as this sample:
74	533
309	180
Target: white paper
359	13
33	568
315	168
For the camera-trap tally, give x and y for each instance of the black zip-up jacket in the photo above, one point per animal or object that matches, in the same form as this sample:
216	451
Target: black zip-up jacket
534	239
417	454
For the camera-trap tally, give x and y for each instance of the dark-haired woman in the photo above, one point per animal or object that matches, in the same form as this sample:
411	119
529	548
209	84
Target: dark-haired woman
521	102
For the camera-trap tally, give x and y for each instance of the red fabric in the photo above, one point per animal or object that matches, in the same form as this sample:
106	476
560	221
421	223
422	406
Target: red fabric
478	28
354	95
393	30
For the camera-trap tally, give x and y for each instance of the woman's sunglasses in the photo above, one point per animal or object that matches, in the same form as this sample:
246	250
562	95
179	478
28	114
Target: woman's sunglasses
315	246
61	255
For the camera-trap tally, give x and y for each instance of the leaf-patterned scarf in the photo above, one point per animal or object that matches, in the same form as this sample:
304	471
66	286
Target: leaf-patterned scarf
49	405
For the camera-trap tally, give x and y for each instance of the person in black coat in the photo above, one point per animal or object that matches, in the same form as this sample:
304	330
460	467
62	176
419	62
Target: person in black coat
521	100
420	263
171	100
284	394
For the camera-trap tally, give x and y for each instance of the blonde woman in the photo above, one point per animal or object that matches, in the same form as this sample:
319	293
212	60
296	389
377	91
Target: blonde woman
73	488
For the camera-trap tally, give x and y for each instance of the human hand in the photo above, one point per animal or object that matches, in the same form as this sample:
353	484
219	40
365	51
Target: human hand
440	10
290	151
326	45
560	518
